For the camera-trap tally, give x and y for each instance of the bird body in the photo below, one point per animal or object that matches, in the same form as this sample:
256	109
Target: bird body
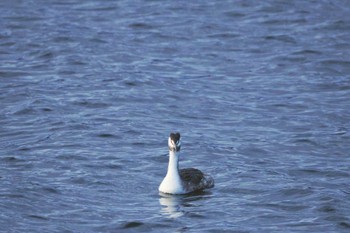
182	181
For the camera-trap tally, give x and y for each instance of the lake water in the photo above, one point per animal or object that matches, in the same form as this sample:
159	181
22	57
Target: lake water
90	90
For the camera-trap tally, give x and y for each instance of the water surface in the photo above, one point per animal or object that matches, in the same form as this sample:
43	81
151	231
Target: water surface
90	91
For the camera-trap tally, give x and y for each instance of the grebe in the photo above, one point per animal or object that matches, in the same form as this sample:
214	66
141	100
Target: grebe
185	180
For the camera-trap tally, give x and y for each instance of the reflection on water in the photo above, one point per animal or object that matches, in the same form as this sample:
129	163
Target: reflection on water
172	205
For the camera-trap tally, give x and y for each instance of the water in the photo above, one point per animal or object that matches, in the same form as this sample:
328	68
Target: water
90	91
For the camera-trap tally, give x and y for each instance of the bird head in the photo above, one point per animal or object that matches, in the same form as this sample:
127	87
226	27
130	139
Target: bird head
174	142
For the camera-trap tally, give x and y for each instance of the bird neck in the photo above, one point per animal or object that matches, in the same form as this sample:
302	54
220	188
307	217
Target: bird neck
173	166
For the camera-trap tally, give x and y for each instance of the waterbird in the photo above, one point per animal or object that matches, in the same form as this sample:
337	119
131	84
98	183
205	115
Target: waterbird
182	181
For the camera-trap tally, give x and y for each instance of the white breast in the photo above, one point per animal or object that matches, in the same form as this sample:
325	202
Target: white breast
171	184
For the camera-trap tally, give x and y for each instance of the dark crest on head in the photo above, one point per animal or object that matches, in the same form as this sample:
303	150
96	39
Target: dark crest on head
175	137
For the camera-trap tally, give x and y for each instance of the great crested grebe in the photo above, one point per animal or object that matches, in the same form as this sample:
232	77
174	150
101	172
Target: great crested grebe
182	181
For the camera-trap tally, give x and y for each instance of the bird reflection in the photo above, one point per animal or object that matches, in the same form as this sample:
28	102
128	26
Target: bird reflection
175	206
172	205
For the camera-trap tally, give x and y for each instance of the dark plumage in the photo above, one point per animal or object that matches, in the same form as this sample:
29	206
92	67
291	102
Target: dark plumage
195	180
191	175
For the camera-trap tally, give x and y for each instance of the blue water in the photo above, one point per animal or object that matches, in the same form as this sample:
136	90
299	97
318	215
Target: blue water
90	90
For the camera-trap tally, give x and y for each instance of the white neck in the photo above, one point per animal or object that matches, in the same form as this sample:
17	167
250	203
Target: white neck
173	166
172	181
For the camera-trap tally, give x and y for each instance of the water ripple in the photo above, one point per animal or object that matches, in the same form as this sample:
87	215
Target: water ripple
91	90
